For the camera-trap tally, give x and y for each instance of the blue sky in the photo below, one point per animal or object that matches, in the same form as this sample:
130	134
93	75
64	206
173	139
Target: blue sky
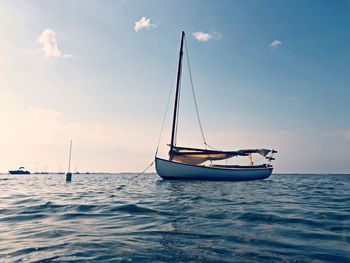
108	85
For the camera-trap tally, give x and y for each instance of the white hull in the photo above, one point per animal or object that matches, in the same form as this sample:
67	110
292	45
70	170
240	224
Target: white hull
173	170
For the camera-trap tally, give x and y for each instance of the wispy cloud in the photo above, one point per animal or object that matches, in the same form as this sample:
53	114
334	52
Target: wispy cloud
203	37
49	44
275	43
144	22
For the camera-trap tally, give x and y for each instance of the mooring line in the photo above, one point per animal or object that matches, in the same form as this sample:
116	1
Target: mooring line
128	180
141	172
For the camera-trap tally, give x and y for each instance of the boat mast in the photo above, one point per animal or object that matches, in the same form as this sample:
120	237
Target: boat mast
178	81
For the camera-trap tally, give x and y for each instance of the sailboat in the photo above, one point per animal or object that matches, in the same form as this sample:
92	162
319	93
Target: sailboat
192	163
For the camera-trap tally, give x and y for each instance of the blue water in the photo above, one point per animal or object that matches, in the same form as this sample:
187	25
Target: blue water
292	218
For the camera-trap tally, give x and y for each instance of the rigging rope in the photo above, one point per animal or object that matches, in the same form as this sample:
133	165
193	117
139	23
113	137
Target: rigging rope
166	111
132	178
161	131
212	147
194	96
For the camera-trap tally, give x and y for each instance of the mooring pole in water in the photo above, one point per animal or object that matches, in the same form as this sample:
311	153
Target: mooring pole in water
69	174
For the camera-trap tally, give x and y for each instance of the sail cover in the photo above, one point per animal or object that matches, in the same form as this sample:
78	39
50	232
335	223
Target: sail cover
197	156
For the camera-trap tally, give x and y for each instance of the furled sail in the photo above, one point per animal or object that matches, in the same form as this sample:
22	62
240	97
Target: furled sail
197	156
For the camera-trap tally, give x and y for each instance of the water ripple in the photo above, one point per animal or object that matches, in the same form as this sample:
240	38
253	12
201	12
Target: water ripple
107	218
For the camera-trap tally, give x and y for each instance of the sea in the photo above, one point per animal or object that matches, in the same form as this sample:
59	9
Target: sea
128	218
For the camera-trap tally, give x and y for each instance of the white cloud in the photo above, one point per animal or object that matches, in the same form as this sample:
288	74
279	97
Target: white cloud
49	44
201	36
144	22
276	43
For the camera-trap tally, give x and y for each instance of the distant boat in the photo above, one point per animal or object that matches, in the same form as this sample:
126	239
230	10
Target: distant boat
60	170
188	163
43	171
20	170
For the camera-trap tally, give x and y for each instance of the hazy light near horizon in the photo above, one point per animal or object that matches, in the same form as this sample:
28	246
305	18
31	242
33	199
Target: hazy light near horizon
144	23
276	43
49	44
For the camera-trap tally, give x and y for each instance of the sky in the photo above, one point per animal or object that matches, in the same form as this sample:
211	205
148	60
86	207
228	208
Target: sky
269	74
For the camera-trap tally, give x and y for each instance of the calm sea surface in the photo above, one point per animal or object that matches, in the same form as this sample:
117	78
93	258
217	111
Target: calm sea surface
104	217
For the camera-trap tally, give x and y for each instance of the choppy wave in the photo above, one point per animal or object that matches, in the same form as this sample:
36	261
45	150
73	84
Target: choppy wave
108	218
